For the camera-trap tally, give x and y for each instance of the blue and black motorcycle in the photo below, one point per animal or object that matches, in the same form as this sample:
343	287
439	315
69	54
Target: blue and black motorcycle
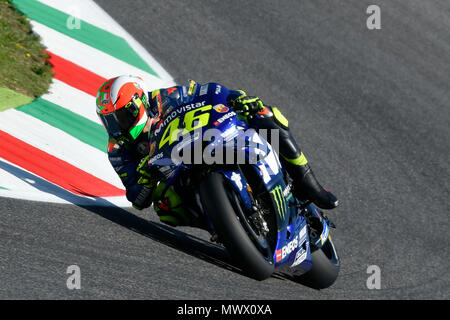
246	205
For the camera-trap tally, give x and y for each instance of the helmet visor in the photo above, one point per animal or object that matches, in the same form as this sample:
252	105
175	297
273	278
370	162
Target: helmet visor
111	125
127	115
122	120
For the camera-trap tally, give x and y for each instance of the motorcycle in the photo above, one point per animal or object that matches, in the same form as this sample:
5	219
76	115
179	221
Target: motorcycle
247	206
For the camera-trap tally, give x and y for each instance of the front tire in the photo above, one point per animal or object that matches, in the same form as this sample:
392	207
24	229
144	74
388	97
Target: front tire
230	231
325	268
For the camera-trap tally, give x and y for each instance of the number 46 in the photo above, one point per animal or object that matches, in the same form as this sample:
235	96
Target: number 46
191	122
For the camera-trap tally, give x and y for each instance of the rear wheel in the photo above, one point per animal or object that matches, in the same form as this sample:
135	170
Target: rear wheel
248	249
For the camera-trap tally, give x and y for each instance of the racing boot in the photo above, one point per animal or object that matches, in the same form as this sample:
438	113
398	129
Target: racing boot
173	217
306	186
177	216
168	207
171	211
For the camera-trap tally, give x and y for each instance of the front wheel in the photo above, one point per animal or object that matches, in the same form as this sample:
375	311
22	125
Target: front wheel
226	223
325	268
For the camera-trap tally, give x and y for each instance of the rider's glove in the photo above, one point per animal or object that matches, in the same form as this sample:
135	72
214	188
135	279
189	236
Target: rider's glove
145	177
248	105
144	198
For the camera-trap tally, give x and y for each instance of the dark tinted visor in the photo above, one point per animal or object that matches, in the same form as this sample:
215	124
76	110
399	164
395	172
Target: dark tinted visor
111	125
121	121
127	115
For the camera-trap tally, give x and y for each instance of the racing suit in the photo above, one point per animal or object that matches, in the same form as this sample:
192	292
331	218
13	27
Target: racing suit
125	156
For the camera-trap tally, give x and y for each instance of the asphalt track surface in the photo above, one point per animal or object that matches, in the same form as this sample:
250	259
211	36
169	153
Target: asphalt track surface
370	109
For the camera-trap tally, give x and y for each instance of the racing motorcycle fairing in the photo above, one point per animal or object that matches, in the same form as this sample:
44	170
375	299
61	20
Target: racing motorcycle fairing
206	108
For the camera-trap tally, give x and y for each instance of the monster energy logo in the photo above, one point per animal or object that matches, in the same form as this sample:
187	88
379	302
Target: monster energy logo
277	194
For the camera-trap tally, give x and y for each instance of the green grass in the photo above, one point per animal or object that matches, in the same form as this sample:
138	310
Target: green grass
23	66
12	99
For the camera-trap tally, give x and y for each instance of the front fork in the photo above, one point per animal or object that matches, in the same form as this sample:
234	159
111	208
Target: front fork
319	224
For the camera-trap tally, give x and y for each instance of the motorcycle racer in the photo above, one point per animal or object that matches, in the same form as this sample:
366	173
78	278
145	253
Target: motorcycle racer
129	112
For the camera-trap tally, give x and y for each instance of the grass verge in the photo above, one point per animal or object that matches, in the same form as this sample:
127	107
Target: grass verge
24	71
12	99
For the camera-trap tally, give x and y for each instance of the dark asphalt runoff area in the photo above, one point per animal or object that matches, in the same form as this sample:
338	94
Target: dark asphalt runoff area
370	109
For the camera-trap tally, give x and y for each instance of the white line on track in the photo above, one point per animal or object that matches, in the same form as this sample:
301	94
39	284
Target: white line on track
25	185
55	141
92	59
59	144
92	13
72	99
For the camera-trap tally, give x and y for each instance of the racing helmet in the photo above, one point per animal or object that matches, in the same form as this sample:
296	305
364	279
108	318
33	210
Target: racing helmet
122	106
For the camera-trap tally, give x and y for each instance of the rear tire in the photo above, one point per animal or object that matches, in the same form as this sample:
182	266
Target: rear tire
325	268
230	231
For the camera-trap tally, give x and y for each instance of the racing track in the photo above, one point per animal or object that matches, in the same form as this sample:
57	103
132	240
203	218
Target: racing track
370	109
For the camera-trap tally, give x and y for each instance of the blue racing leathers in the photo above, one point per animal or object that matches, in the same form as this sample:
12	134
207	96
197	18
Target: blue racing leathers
125	156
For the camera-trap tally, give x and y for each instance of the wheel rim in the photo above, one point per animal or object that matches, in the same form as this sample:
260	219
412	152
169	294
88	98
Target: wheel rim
260	242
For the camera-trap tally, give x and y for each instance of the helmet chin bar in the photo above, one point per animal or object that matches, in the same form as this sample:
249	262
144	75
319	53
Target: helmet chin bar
137	129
